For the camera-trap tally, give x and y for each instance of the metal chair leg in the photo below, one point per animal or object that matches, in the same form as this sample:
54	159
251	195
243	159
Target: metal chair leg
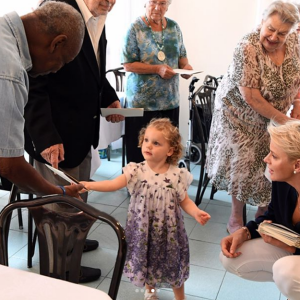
30	240
123	151
20	218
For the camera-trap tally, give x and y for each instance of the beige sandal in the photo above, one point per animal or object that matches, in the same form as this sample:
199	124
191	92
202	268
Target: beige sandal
151	296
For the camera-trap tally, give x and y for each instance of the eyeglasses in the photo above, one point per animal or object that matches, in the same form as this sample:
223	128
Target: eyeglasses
155	3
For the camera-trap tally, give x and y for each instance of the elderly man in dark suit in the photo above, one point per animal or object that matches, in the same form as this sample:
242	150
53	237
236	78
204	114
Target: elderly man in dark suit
62	132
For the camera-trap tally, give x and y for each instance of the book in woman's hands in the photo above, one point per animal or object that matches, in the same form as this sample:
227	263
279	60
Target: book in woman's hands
281	233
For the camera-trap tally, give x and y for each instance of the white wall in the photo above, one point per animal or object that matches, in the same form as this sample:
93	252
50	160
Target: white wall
20	6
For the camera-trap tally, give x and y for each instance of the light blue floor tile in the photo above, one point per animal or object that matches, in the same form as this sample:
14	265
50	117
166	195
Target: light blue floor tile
235	288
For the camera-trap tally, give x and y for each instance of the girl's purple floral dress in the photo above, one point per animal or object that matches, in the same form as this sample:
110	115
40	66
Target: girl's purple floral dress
158	249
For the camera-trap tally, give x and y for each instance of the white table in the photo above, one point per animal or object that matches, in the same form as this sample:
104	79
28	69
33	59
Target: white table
17	284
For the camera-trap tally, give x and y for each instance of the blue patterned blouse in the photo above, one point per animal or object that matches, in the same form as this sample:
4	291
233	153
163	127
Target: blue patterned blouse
150	91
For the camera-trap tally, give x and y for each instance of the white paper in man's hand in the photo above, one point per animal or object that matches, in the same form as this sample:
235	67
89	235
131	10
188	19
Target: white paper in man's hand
62	175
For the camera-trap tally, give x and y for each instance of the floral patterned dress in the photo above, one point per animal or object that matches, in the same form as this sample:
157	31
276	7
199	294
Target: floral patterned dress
158	250
238	139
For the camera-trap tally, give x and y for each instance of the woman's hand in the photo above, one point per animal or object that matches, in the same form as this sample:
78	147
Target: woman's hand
165	72
274	242
231	243
186	67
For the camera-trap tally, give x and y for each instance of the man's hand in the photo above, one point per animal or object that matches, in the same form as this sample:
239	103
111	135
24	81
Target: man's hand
54	155
115	118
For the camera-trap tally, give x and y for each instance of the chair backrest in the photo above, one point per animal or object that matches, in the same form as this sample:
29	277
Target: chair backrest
119	77
61	235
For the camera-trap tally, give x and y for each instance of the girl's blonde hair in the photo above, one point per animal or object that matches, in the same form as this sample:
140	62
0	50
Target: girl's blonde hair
287	137
170	133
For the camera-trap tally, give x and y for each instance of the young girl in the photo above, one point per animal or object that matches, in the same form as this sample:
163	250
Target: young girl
158	249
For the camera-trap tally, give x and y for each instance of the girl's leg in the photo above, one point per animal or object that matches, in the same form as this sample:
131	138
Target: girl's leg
236	218
179	293
287	277
256	261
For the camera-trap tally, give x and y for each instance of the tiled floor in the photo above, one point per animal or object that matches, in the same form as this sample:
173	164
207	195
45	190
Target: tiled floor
208	279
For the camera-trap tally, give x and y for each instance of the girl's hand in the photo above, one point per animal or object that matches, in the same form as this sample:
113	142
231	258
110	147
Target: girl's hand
202	217
86	188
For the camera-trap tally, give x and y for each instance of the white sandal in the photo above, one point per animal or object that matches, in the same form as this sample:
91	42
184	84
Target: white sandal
151	296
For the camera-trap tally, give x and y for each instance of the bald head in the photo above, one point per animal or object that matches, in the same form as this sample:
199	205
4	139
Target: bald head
55	32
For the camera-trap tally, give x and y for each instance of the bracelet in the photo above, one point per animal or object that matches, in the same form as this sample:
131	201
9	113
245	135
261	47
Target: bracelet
247	231
63	189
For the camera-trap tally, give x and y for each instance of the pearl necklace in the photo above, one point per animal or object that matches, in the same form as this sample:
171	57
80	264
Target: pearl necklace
160	55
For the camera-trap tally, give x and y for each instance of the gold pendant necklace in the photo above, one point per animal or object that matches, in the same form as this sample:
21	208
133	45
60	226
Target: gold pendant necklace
160	55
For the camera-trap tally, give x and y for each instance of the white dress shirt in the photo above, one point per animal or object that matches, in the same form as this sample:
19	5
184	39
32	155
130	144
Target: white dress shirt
94	26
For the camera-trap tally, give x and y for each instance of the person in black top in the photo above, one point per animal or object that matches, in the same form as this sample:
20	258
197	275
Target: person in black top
259	257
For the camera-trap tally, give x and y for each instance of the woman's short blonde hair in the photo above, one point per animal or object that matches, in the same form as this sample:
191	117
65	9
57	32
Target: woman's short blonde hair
170	133
287	12
287	137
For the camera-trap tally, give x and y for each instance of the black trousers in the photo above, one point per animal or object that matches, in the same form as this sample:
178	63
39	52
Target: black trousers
133	125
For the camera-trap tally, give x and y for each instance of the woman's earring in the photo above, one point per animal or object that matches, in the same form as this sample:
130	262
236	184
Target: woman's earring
295	172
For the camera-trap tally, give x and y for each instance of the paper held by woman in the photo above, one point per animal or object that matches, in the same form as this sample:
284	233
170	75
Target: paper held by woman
186	72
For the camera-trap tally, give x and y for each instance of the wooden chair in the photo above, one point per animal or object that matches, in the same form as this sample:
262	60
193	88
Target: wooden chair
15	194
119	74
6	185
57	230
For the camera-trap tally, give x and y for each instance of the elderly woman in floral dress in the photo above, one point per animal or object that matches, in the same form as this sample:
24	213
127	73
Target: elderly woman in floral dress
261	83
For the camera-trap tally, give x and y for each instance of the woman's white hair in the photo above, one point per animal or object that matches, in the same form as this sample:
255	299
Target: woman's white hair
169	1
287	12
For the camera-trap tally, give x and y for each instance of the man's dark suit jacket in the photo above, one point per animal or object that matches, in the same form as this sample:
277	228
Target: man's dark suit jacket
65	107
